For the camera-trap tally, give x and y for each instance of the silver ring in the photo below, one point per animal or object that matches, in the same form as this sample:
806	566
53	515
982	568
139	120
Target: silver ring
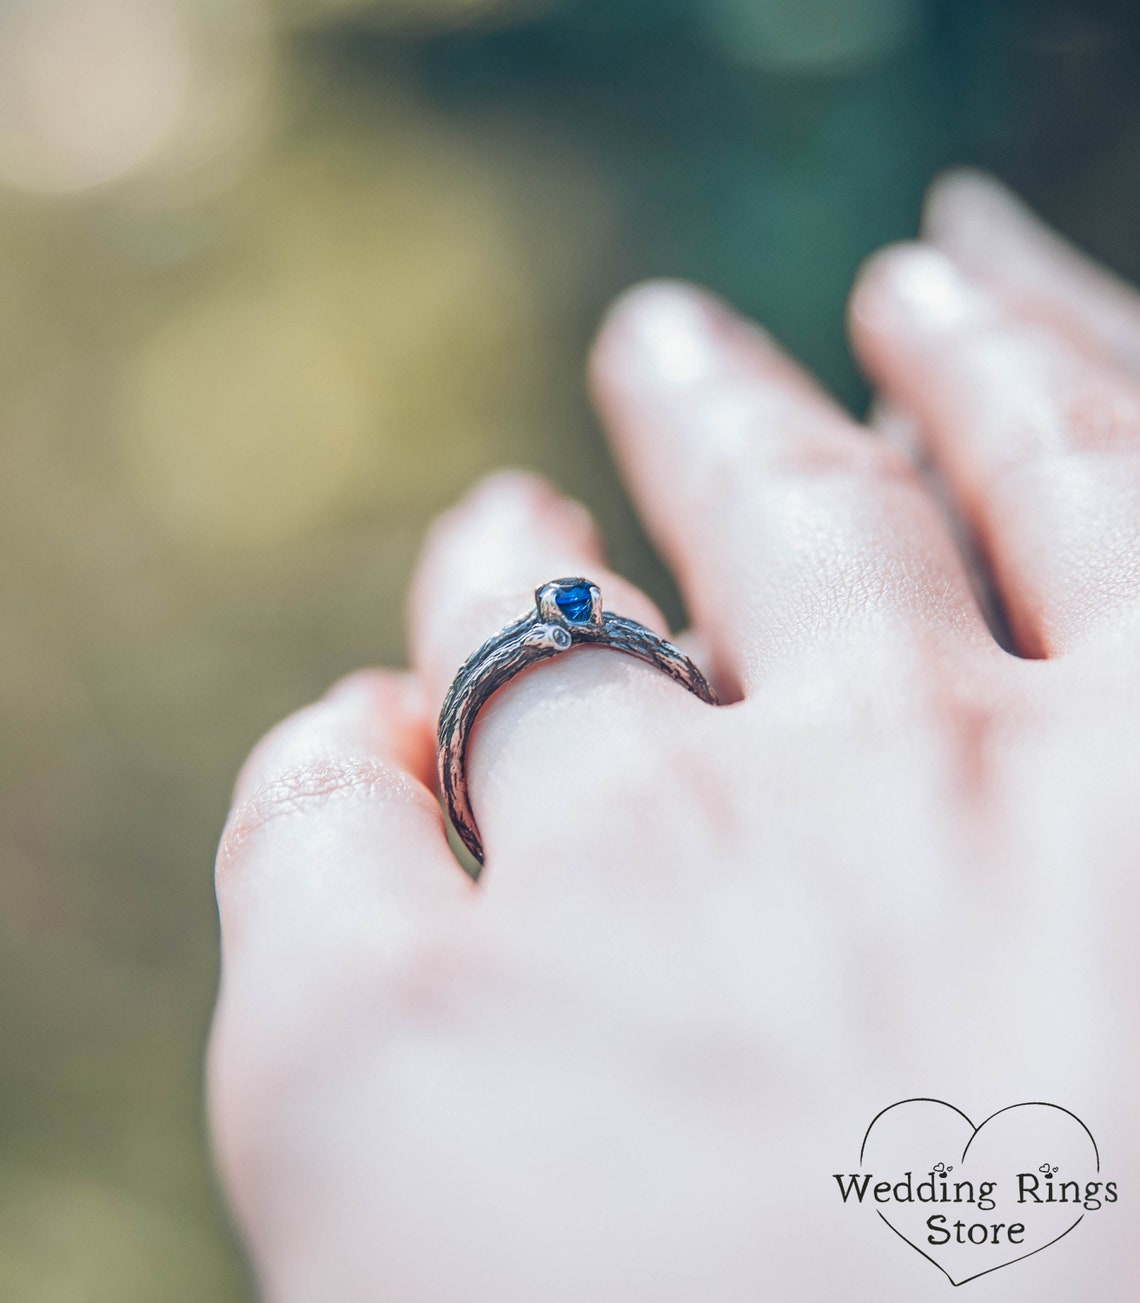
567	613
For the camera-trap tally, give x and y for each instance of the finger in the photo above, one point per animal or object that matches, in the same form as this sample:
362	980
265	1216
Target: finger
899	428
536	756
997	239
484	559
1039	441
369	714
334	830
786	524
338	895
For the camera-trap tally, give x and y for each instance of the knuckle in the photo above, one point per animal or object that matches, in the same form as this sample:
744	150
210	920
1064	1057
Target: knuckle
1062	408
1100	418
853	460
1075	487
284	744
772	434
308	789
975	717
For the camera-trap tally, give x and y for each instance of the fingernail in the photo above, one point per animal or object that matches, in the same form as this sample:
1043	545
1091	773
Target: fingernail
973	216
667	333
917	288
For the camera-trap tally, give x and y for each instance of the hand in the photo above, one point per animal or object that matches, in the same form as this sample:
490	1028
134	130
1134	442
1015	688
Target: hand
710	944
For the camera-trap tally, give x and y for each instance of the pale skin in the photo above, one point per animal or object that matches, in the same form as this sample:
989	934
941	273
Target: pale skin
711	943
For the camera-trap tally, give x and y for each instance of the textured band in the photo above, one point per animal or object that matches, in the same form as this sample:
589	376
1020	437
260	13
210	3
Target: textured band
567	613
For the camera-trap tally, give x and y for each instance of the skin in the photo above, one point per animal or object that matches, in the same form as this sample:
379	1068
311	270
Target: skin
710	944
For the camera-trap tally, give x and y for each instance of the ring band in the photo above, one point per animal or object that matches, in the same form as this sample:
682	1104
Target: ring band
567	613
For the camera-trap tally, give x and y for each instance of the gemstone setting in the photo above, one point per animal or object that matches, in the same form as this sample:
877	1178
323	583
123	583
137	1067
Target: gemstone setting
575	603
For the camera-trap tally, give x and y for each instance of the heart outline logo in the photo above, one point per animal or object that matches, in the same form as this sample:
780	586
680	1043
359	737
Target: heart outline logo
975	1130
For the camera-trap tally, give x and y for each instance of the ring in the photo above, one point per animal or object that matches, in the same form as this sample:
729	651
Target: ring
567	613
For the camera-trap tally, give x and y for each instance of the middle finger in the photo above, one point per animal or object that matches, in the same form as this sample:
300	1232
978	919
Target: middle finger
789	528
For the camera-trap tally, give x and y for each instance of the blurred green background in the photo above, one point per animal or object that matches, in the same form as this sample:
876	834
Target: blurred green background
276	282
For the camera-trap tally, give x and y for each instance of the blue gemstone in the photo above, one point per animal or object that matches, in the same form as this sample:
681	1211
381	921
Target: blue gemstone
574	603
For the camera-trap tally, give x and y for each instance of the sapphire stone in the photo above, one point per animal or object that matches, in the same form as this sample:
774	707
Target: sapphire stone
574	603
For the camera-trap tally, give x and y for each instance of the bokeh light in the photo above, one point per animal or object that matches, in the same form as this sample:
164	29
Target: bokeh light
87	91
92	91
284	393
809	36
418	14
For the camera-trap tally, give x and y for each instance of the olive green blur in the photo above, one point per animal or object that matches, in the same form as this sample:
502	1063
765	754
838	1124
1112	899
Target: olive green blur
277	282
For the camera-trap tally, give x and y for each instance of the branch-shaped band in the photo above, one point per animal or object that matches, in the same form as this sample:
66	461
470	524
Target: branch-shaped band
567	613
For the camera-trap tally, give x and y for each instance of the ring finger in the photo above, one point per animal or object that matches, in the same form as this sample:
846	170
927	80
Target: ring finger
1037	437
543	747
